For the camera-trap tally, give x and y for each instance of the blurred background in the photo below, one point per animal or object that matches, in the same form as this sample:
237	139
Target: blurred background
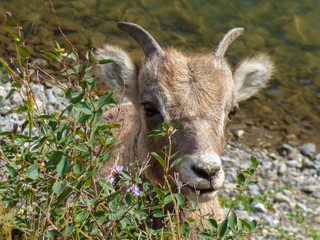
287	111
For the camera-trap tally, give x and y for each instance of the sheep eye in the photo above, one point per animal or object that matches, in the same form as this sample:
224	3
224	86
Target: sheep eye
233	112
149	109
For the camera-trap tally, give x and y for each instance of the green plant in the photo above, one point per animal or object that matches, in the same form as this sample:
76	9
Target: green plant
51	187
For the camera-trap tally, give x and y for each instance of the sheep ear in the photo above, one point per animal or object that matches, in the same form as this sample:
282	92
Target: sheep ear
120	74
251	75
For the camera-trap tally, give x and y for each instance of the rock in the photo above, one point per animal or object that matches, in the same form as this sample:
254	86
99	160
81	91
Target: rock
307	163
259	207
280	197
282	168
317	157
294	163
308	149
310	188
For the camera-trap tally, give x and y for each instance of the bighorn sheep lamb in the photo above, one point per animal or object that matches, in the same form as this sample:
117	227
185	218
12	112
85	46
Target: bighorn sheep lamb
199	89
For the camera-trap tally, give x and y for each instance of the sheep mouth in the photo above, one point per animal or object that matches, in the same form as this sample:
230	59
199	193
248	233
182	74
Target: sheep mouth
200	192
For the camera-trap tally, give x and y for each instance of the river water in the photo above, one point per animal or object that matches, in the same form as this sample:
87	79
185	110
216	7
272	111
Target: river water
288	30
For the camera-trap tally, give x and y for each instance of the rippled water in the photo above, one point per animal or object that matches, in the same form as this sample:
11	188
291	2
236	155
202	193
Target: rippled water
288	30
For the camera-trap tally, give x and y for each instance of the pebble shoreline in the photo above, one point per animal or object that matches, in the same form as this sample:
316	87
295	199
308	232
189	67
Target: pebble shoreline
287	176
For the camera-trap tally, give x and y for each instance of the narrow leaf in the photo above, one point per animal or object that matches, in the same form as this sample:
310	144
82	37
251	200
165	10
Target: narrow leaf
53	55
233	221
223	228
254	162
77	98
24	51
28	30
175	162
213	224
176	124
103	100
156	133
11	93
245	224
62	166
105	61
159	159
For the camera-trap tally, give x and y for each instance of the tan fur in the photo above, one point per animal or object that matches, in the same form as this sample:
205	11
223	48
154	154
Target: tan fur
198	89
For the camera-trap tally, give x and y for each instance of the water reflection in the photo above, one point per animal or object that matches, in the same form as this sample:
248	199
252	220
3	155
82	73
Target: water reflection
289	110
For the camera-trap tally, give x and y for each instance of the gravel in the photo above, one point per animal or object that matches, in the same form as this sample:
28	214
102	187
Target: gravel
285	199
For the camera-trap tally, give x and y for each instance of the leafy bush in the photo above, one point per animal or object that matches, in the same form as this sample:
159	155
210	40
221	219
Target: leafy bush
50	187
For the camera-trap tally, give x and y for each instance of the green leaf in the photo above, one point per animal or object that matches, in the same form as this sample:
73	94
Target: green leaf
54	159
166	126
103	100
241	177
81	216
180	198
12	21
253	224
205	235
58	186
53	55
125	175
63	196
6	133
69	72
57	45
47	117
82	148
105	61
159	192
159	159
33	171
28	30
168	199
53	233
223	228
156	133
82	107
176	124
11	93
77	168
128	199
72	55
254	162
14	34
194	205
158	214
24	51
112	196
91	82
245	224
77	98
213	224
190	219
78	68
11	170
17	85
62	166
233	221
175	162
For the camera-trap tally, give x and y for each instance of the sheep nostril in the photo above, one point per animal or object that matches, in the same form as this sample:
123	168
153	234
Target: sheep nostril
201	173
215	170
